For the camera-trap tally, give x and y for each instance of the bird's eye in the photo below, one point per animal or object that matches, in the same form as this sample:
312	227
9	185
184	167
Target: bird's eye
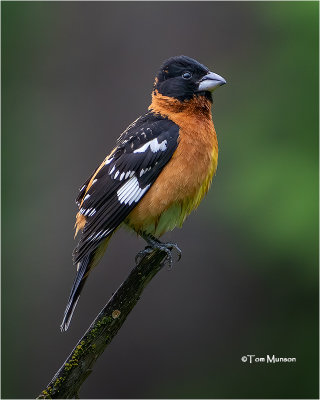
186	75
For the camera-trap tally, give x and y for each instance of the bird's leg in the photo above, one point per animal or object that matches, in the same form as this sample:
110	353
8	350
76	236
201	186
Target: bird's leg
155	244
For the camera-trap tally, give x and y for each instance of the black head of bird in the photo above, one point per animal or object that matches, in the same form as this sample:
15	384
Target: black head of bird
182	78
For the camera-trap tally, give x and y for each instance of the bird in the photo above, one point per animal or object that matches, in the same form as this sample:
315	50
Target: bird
158	172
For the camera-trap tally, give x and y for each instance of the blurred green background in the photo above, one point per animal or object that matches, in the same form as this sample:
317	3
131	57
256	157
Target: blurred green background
74	75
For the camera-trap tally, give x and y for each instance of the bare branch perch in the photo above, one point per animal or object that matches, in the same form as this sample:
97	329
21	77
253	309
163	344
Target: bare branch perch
67	381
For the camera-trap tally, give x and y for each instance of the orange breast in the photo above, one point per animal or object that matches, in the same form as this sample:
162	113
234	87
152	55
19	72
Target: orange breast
187	177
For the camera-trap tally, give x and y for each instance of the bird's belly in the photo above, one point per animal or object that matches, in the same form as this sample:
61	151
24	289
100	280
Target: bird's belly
180	187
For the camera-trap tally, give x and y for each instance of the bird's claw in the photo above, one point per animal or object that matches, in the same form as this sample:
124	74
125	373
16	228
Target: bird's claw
174	246
142	254
164	247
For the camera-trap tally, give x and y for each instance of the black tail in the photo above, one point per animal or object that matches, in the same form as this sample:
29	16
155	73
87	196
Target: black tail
77	286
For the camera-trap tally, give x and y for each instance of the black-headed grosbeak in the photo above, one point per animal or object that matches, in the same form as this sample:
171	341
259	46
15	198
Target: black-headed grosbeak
159	171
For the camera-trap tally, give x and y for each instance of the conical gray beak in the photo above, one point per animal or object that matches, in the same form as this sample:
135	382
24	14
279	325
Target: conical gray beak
210	82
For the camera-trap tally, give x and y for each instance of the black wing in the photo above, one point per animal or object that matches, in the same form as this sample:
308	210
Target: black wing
124	178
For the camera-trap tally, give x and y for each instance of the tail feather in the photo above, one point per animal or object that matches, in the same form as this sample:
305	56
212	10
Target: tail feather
83	268
75	292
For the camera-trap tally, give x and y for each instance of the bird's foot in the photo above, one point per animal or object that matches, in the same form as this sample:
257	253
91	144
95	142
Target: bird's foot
155	244
143	253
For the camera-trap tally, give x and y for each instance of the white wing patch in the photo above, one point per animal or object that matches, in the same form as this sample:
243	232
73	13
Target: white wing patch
129	173
131	192
99	235
143	171
154	145
88	212
108	161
